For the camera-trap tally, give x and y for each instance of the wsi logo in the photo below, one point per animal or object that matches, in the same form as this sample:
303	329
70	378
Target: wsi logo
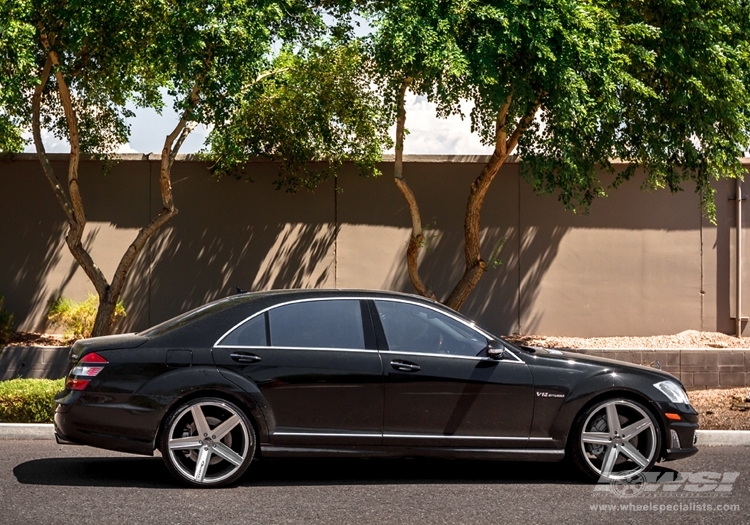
666	482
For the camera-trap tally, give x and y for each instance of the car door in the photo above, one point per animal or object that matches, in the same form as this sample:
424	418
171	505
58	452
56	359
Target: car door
316	364
440	388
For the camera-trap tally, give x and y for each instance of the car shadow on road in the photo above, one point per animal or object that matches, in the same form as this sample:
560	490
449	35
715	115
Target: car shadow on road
151	473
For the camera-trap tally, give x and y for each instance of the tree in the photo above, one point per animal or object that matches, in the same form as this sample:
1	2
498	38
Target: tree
570	85
317	106
72	66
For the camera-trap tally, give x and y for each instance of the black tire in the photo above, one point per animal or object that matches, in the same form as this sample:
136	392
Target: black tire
622	454
195	454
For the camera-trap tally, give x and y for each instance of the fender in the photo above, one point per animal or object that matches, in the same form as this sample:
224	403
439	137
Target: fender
583	392
170	388
622	383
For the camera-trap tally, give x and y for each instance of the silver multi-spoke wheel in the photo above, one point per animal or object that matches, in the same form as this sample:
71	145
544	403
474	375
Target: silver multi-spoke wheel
618	440
208	442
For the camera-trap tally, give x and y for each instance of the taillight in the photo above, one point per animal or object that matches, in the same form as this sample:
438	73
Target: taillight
80	377
76	384
93	357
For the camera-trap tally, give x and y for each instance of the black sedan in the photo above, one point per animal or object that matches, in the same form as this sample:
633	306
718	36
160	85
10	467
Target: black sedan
366	374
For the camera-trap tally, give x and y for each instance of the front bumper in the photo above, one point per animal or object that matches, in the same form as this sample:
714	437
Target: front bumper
680	438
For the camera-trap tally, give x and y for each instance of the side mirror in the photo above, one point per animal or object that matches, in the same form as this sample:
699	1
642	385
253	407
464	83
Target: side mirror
495	350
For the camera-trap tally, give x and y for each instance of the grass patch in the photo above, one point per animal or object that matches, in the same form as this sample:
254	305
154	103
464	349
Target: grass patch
29	400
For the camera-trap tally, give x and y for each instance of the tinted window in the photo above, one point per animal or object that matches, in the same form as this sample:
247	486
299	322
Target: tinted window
251	333
318	324
412	328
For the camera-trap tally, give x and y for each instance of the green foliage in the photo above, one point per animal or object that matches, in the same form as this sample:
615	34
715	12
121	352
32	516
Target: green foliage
29	400
494	261
103	56
6	324
77	318
314	104
660	85
217	48
76	68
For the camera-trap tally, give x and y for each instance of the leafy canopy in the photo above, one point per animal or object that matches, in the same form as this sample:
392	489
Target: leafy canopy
659	84
314	104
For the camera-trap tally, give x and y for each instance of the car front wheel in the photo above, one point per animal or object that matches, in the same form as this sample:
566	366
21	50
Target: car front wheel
207	442
615	440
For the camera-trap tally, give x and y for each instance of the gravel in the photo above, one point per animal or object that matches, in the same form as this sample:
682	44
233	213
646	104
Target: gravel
686	339
34	339
722	409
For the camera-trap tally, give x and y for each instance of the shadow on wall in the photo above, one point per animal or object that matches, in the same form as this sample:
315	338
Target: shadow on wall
26	293
36	264
351	232
495	302
32	229
370	209
232	234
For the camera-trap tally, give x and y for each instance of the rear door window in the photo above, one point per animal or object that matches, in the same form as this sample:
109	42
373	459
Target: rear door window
250	333
318	324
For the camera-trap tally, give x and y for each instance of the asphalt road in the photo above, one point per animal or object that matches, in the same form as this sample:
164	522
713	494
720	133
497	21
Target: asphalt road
45	483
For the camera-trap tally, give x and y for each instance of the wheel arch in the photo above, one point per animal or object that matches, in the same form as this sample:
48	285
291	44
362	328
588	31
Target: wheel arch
624	393
242	403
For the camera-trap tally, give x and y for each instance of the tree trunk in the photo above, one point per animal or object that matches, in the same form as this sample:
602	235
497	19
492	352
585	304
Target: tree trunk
416	241
475	265
105	316
72	202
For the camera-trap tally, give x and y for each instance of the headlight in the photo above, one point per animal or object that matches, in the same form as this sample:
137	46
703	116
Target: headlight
673	391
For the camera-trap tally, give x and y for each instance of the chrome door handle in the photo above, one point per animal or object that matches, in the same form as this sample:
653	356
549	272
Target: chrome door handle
245	358
405	366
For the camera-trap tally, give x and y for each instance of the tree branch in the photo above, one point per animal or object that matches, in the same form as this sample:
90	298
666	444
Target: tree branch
75	148
172	144
74	206
500	132
417	235
475	265
49	172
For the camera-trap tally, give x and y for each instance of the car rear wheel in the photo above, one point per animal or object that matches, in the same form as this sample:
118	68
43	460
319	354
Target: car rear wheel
207	442
615	440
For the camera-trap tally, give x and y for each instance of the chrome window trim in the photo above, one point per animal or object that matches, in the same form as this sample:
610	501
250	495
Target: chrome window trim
472	326
452	356
317	348
256	314
384	352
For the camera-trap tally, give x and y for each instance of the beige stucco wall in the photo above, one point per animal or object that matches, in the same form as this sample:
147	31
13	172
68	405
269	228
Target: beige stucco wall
640	263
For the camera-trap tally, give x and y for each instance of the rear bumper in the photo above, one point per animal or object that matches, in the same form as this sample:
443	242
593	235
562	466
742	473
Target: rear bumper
105	427
62	441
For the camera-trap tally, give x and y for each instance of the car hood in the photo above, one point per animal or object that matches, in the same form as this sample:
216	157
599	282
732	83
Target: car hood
564	356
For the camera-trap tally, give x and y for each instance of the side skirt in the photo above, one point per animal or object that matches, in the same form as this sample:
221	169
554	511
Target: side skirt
515	454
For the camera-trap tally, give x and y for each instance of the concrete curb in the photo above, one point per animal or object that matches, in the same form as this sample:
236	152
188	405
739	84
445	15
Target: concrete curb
26	431
706	438
724	438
